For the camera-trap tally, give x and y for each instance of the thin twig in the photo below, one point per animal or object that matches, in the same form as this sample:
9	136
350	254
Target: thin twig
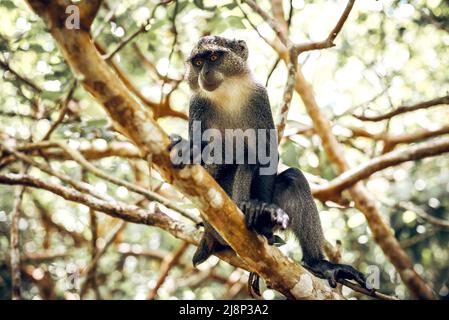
167	264
403	109
109	239
329	41
371	293
245	15
150	195
272	70
4	65
271	22
143	28
64	109
439	223
175	40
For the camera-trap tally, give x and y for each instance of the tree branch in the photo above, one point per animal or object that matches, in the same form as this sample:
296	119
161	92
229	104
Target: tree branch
143	28
168	263
88	12
5	66
350	177
122	149
439	223
109	239
329	41
403	109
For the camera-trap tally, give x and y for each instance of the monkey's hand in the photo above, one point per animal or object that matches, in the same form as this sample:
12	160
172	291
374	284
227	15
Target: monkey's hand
264	217
334	272
183	152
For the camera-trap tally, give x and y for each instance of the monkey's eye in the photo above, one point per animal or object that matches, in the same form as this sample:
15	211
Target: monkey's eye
198	62
213	57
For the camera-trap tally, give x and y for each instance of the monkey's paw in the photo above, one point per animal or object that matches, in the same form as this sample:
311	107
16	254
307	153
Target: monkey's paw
182	152
334	272
264	217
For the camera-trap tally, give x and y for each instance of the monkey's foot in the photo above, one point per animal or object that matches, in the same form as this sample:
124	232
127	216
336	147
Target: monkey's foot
182	152
264	217
334	272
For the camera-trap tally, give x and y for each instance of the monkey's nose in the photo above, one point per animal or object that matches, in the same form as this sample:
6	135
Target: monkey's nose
209	77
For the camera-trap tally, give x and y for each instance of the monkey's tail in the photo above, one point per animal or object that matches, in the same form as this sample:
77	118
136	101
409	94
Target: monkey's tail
292	194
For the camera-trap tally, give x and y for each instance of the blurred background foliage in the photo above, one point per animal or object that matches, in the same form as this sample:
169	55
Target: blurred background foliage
389	53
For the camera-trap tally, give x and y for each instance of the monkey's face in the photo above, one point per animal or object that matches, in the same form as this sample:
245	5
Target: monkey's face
207	68
215	60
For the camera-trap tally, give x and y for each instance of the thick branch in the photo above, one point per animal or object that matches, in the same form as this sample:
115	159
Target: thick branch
88	11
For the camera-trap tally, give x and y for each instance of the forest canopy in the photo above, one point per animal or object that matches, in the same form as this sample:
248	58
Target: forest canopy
90	207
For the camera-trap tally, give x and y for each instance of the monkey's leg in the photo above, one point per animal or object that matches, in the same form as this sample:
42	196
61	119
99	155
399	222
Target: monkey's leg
260	213
292	194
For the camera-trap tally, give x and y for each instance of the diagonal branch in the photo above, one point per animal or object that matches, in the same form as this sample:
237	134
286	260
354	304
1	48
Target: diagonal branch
274	25
5	66
168	263
329	41
143	28
88	12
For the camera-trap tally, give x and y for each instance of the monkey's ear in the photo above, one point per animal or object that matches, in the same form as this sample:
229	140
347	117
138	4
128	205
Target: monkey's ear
242	49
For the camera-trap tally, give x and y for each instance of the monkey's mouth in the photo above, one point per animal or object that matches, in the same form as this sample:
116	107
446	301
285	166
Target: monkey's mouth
209	85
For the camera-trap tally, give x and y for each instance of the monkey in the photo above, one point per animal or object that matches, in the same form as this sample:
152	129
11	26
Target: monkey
226	96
